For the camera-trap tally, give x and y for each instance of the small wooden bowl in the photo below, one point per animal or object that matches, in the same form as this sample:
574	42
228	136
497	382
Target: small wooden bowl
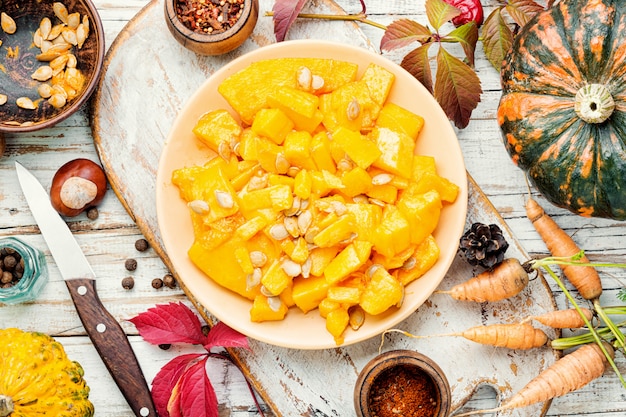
19	62
397	363
213	44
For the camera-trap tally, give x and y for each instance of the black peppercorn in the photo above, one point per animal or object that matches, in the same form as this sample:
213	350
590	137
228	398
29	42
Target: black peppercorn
206	329
157	283
130	264
169	281
165	346
92	213
141	245
128	283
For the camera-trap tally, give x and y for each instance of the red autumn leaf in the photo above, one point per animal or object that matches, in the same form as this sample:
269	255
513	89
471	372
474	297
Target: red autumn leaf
166	379
457	88
403	32
416	62
440	12
467	36
169	323
285	13
222	335
521	11
197	396
497	38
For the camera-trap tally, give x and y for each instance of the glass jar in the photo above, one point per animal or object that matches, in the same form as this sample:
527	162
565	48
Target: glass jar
34	275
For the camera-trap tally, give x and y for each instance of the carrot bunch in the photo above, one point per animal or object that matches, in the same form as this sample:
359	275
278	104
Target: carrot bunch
595	349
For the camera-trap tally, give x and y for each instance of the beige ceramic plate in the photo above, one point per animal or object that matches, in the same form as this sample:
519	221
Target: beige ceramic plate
304	331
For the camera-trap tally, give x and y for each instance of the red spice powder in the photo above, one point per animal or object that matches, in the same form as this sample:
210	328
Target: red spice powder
403	392
209	16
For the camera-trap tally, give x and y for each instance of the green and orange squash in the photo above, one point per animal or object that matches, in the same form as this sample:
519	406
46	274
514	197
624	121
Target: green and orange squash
563	108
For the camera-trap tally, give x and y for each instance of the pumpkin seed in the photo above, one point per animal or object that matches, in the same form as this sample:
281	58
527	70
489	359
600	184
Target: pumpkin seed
7	23
353	110
304	78
70	36
45	45
372	269
291	268
295	207
291	225
382	179
60	11
282	164
199	206
60	62
3	99
57	100
45	90
25	103
37	38
253	279
258	258
257	183
293	171
45	26
306	267
224	199
224	150
59	89
356	316
278	231
274	303
345	165
71	61
56	31
305	219
73	20
409	263
266	292
317	82
82	31
43	73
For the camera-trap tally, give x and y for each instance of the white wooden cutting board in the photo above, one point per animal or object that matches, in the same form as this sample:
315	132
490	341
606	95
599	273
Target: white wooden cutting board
148	78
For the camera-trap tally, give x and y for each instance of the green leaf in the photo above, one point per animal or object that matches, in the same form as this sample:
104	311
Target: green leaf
457	88
417	63
467	36
403	32
440	12
497	38
521	11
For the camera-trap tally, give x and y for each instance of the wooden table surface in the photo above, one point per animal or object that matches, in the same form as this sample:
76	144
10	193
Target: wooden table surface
109	240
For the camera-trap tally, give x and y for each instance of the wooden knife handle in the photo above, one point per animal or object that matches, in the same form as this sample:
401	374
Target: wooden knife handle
112	345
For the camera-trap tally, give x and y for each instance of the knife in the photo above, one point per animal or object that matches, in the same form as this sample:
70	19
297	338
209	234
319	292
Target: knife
104	331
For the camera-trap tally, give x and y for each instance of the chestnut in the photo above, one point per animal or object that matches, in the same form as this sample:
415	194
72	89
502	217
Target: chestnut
78	185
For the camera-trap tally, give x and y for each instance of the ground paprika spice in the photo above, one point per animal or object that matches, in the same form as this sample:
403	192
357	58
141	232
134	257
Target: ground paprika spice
403	391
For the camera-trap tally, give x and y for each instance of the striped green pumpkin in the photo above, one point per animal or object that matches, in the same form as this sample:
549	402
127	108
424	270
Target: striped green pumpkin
563	107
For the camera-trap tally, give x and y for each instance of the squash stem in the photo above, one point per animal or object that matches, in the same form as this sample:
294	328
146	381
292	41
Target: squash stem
6	405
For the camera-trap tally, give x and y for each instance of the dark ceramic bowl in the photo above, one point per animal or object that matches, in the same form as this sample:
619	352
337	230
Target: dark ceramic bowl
421	378
213	43
19	61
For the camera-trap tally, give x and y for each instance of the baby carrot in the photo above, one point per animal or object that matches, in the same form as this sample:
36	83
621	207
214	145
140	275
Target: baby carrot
512	336
573	371
563	319
505	280
560	244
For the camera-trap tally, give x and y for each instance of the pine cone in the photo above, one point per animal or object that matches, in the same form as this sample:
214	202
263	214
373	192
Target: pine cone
484	245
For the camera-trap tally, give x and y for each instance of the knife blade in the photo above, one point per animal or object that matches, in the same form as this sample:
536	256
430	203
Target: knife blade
105	332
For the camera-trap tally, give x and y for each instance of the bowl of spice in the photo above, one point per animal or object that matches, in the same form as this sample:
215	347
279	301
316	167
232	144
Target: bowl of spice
402	383
51	60
23	271
211	27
